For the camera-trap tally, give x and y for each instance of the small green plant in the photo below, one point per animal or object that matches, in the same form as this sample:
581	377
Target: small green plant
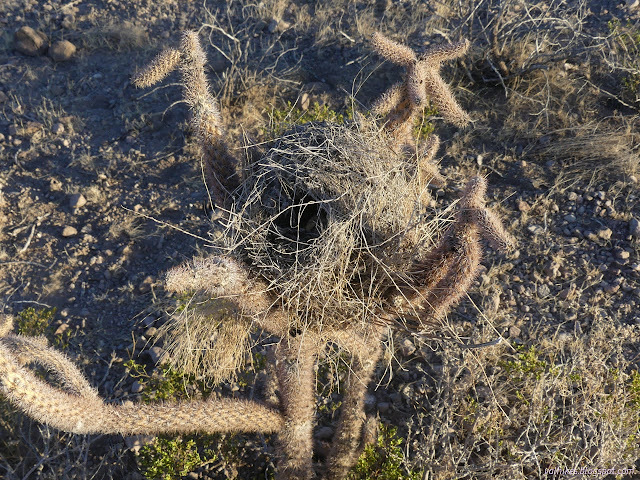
169	458
627	40
423	127
527	363
384	460
163	384
32	322
634	389
283	119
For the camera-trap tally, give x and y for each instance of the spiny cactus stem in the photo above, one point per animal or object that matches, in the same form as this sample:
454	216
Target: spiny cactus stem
348	440
295	361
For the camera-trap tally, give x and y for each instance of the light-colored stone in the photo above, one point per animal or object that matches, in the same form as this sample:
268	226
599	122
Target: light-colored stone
30	42
62	51
69	231
136	387
305	102
57	128
406	347
157	354
136	442
605	233
77	200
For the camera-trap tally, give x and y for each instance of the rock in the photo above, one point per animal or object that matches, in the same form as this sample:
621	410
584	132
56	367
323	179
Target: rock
406	347
305	102
69	231
622	254
77	200
150	332
61	329
273	25
536	229
3	97
608	288
157	354
57	128
30	42
383	407
137	387
136	442
634	228
62	51
523	206
605	233
145	286
568	293
543	290
369	400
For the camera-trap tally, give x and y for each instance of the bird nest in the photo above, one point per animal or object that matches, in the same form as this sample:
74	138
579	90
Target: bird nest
331	216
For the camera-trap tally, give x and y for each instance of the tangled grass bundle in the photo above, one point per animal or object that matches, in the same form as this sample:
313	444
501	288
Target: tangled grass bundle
331	215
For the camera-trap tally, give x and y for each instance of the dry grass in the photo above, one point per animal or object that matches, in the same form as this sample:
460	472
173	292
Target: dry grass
590	152
206	337
570	401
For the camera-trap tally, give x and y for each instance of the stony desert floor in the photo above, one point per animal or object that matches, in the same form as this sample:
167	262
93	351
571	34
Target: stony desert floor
101	193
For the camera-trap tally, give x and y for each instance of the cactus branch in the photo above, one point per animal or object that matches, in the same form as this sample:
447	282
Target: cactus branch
295	361
349	438
85	413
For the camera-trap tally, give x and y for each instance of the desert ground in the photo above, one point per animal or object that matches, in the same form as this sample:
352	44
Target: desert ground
101	193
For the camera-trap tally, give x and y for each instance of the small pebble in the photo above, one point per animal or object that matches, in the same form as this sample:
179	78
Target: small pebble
57	128
536	229
523	206
61	329
544	290
137	387
69	231
305	101
30	42
605	233
62	51
157	355
77	200
150	332
406	347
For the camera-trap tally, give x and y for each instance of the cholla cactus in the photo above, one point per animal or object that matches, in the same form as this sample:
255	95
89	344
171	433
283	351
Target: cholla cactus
325	244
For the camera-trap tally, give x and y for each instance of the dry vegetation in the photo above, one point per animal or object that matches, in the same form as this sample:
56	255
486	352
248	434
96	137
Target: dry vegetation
552	89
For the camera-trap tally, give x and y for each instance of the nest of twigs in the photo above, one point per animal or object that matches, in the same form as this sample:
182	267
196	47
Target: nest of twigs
331	216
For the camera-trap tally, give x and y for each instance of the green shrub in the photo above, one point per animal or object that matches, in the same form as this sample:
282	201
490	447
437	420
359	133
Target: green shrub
169	458
383	460
32	322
